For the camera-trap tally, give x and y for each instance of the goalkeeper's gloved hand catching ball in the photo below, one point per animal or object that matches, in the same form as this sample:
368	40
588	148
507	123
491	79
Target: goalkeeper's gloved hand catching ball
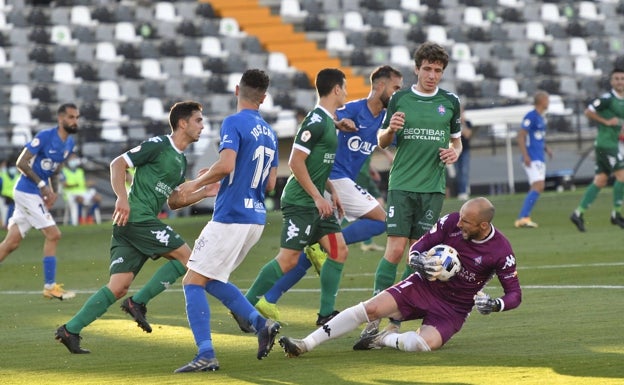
485	305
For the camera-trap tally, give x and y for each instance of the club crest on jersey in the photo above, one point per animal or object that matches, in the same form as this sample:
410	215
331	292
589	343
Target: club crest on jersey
305	136
441	110
35	142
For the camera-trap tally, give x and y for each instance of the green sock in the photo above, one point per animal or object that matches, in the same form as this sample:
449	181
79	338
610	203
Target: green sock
269	273
331	274
618	195
162	278
368	241
93	309
385	275
407	272
588	198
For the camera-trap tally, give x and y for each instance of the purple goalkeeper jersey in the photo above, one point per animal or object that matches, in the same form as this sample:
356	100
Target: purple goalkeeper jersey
480	261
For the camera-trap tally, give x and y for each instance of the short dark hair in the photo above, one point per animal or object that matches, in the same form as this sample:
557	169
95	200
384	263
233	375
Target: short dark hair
432	52
64	107
327	79
385	72
253	84
615	70
182	110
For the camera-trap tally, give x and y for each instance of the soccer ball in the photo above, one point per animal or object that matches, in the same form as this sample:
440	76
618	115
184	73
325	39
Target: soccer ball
448	258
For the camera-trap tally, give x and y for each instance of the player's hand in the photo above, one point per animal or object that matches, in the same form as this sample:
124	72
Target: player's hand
428	268
122	212
485	305
397	121
346	125
448	155
211	190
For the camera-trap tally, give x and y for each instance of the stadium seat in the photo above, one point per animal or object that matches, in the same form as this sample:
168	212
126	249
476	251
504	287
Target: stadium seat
150	69
465	70
549	13
393	18
165	11
20	94
20	115
336	43
110	110
278	62
292	12
109	90
4	62
64	73
106	51
228	26
21	135
578	47
584	65
413	6
589	11
400	56
508	88
124	31
473	16
534	30
437	34
211	46
193	66
353	21
462	52
112	131
153	109
81	15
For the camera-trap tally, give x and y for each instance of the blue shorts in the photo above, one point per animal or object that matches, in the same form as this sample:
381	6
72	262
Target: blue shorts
415	301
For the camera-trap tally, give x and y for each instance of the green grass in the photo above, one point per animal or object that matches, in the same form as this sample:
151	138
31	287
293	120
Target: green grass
567	330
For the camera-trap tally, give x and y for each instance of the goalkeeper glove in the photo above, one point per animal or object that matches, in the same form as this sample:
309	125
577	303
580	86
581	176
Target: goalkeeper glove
485	305
428	268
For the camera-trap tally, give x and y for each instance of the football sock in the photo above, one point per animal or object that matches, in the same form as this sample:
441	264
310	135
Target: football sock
288	280
368	241
94	207
198	315
362	229
233	299
618	194
407	342
93	309
266	278
49	270
590	195
385	275
162	278
529	202
346	321
406	273
331	274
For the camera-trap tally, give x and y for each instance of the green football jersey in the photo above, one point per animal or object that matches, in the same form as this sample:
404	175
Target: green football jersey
429	123
608	106
160	168
316	137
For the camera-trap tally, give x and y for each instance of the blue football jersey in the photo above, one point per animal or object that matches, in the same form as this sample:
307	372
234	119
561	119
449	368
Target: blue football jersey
49	154
241	195
535	126
355	147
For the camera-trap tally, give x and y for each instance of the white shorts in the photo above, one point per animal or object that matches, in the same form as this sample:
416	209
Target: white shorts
355	200
536	172
30	211
87	196
221	247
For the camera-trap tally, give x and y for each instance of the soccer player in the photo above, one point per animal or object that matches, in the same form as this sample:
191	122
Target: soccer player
532	145
608	111
35	193
360	207
421	121
246	168
443	306
308	217
138	235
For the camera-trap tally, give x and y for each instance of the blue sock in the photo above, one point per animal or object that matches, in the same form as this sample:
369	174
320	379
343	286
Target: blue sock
93	208
234	300
198	315
528	204
49	269
289	279
362	229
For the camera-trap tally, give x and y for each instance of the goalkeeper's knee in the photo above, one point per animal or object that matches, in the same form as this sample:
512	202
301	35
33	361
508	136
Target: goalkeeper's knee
411	342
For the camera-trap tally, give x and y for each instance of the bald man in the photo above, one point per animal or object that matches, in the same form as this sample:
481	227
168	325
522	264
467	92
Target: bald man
443	306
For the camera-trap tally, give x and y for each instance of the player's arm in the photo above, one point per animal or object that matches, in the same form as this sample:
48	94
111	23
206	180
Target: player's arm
449	155
193	191
521	139
508	278
592	114
297	165
118	169
385	136
272	181
23	165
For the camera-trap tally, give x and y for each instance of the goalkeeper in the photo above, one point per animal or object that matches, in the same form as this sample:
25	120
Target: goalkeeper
443	306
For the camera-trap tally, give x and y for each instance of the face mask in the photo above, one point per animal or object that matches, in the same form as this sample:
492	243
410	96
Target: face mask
12	171
73	163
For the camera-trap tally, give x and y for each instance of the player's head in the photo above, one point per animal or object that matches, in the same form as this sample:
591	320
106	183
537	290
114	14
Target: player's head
182	111
431	53
541	100
328	80
475	218
67	116
617	80
385	81
253	86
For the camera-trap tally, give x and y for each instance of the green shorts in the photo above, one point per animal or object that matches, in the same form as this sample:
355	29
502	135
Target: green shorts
608	160
412	214
134	243
302	226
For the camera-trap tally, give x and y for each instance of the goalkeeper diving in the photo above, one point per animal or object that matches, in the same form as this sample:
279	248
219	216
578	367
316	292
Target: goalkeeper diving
443	306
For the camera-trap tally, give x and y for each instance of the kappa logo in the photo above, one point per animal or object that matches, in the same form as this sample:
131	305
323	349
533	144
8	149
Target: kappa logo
510	261
292	232
162	236
327	330
116	261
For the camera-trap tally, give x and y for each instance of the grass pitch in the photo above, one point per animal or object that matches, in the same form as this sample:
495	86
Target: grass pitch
567	330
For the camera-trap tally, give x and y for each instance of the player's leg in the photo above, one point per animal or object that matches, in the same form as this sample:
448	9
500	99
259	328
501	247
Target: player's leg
331	273
11	241
536	174
618	196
